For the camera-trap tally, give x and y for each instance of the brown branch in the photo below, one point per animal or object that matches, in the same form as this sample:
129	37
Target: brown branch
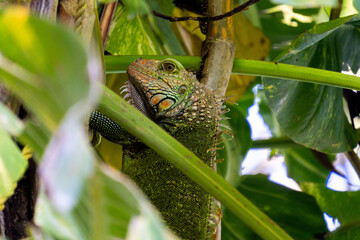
205	19
105	20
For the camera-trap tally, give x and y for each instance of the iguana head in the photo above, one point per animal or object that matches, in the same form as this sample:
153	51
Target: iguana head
160	89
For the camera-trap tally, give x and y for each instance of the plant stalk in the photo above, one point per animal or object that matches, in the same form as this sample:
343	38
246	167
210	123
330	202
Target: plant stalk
119	64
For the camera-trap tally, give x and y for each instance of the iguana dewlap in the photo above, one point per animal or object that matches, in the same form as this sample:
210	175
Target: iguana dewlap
173	98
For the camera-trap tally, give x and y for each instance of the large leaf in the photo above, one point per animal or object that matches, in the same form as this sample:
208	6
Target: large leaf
297	212
340	205
110	207
37	64
46	66
312	114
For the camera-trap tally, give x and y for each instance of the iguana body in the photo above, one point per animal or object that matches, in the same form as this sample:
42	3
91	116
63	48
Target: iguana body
173	98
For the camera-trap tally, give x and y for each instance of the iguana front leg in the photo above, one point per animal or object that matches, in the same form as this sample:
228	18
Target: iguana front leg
109	129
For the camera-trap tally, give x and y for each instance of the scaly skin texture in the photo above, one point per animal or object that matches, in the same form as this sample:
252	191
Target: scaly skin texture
175	100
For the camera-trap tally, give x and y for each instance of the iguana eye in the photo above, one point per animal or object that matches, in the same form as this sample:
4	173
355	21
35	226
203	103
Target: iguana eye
182	89
169	67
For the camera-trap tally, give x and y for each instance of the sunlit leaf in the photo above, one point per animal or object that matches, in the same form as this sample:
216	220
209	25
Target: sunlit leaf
12	166
312	114
9	122
47	67
36	63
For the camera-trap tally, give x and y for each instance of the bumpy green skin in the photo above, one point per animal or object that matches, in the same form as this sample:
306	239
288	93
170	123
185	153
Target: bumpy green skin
189	112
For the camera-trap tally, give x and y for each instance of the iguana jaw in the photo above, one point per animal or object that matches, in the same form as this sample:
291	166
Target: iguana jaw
137	99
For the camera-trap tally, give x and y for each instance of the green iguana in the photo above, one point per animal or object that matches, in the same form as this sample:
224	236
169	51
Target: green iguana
173	98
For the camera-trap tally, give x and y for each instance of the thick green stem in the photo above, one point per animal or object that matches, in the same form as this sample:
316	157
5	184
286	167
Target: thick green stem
116	64
280	142
160	141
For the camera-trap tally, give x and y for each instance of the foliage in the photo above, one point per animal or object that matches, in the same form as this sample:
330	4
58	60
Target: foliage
48	68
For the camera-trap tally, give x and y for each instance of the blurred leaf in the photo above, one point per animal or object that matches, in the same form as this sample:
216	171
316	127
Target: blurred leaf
312	114
282	24
37	137
63	156
111	207
357	4
295	212
46	66
303	166
307	3
131	36
12	167
36	63
9	122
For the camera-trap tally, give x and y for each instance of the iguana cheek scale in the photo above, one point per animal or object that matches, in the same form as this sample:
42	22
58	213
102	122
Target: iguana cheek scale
173	98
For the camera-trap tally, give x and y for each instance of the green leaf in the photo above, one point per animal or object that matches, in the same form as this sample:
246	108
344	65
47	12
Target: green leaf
296	212
131	36
357	5
340	205
137	7
12	166
110	207
37	64
345	233
303	166
163	29
312	114
9	122
46	66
